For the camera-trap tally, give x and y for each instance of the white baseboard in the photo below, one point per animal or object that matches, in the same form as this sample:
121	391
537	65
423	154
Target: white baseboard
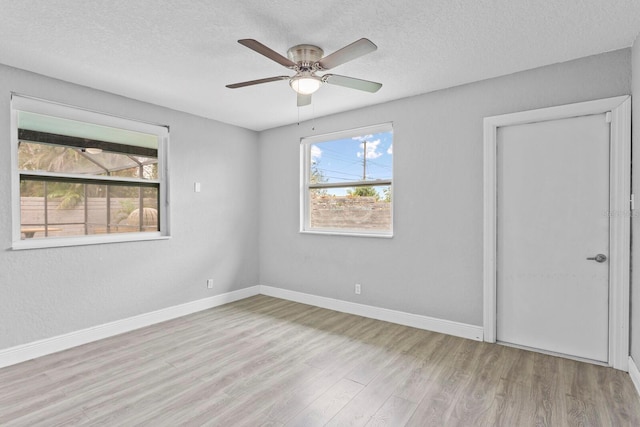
414	320
31	350
634	373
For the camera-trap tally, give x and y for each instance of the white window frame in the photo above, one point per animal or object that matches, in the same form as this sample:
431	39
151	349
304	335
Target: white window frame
306	186
35	105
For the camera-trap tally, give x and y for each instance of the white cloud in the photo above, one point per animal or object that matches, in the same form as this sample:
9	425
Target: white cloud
316	153
362	138
372	149
390	149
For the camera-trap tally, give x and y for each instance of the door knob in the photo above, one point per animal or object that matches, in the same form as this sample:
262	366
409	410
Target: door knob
598	258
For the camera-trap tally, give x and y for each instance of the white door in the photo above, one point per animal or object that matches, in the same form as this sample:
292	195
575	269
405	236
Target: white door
552	215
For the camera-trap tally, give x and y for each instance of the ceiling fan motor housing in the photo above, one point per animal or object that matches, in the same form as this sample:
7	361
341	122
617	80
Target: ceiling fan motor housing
305	55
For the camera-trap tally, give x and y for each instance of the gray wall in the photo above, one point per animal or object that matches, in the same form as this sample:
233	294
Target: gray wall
47	292
433	264
635	221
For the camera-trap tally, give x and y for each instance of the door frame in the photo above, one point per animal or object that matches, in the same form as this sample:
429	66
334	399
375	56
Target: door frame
618	110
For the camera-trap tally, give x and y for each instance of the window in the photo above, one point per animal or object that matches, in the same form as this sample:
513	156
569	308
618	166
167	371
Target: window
82	177
347	182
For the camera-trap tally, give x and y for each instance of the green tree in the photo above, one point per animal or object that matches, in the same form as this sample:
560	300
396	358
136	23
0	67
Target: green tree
33	156
364	192
387	194
317	177
70	195
316	174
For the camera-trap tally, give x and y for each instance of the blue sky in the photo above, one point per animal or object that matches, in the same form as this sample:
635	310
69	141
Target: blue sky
342	160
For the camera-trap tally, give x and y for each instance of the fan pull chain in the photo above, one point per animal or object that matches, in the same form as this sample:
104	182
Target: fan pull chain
313	117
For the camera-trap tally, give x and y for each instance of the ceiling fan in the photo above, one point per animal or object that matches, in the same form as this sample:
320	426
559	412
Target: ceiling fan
306	60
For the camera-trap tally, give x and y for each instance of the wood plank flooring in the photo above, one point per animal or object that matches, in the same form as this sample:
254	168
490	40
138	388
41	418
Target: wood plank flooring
269	362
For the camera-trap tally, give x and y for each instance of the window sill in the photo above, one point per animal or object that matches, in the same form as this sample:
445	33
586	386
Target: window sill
58	242
388	235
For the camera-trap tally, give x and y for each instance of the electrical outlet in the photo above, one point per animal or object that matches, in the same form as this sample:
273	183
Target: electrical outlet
209	283
358	289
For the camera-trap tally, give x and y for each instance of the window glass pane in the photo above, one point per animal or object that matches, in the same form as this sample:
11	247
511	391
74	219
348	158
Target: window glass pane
34	156
125	206
148	171
51	209
364	208
344	160
110	162
96	209
50	158
32	208
55	209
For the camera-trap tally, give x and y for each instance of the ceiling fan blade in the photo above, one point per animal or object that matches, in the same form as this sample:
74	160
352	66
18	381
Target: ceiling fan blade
257	82
352	83
347	53
303	100
268	52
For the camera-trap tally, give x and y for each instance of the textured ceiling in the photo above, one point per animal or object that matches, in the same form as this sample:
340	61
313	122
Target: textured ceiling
180	54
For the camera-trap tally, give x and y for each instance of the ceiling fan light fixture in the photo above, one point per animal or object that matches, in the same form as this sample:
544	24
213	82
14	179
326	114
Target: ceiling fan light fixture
305	84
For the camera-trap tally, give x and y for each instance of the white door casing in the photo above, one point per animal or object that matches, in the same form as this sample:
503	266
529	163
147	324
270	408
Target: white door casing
618	109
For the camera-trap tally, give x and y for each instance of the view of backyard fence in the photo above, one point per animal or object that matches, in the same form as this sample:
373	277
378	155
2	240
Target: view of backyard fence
50	217
350	212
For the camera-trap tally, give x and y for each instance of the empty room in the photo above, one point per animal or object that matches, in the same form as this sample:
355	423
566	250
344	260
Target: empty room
304	213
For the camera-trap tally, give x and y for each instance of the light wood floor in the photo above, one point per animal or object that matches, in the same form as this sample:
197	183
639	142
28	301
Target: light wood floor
268	362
